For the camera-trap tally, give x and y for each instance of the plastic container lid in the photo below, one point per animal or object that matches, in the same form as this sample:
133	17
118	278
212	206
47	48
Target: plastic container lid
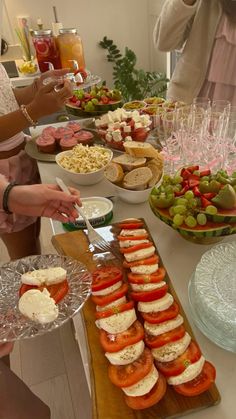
97	209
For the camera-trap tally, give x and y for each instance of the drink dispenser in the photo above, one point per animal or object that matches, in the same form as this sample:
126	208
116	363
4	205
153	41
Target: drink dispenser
71	48
46	49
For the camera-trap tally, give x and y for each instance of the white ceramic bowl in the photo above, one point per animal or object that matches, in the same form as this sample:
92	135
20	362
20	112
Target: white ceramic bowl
90	178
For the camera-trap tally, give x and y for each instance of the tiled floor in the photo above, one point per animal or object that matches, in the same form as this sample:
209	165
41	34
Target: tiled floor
51	365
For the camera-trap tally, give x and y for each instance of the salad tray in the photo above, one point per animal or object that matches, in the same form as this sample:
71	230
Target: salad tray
108	401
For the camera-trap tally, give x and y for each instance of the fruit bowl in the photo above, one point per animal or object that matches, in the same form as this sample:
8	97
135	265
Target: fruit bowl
199	205
96	101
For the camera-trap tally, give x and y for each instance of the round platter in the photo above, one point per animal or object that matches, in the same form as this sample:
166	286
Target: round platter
32	149
13	325
212	295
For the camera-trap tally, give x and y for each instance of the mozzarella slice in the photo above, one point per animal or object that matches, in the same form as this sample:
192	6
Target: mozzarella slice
38	306
133	232
130	243
108	290
158	329
127	355
140	254
117	323
44	276
156	305
115	303
147	287
191	372
173	350
144	269
143	386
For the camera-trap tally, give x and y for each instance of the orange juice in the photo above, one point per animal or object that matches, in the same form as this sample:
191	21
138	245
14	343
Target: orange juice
71	48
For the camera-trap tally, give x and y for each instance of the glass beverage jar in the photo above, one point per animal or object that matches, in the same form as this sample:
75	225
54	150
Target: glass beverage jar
71	48
46	49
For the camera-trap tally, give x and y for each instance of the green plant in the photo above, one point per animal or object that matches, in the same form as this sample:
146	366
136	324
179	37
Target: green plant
135	84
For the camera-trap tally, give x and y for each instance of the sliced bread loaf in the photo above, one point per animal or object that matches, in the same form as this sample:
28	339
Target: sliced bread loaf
156	173
137	179
138	149
114	172
129	162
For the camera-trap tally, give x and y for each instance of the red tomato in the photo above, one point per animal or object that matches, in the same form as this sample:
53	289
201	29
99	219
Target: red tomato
140	134
192	169
105	277
149	399
200	384
157	276
162	316
130	374
164	338
146	296
206	172
117	342
136	247
103	300
148	261
114	310
123	238
131	225
176	367
57	291
205	202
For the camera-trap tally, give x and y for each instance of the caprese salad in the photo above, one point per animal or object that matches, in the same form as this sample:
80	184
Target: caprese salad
176	355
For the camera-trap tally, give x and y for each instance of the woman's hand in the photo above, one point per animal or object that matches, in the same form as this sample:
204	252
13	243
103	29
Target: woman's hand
47	101
51	74
5	348
44	201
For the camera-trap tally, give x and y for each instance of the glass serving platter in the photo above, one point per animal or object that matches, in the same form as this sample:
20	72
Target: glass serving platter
212	295
13	325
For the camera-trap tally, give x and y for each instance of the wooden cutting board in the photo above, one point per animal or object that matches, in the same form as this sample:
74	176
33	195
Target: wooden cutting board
108	401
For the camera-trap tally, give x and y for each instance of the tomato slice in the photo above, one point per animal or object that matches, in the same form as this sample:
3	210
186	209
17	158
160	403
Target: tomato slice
130	225
103	300
146	296
200	384
127	375
164	338
162	316
117	342
57	291
148	261
176	367
149	399
135	247
142	237
105	277
157	276
114	310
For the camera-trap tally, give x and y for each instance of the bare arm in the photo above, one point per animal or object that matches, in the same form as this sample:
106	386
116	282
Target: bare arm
174	23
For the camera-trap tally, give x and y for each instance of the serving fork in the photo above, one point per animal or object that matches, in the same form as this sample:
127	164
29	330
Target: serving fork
95	239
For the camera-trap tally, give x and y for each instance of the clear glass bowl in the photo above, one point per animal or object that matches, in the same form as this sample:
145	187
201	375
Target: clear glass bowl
13	325
212	295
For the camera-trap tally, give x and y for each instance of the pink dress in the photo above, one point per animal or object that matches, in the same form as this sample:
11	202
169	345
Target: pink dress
220	82
19	168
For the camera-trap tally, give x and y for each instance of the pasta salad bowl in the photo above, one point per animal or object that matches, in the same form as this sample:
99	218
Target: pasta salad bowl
84	165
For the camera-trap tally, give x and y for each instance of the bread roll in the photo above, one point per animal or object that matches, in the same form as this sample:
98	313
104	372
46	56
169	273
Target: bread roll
114	172
156	174
129	162
137	179
136	149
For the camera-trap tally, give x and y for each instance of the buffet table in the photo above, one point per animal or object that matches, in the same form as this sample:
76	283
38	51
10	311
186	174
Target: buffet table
180	258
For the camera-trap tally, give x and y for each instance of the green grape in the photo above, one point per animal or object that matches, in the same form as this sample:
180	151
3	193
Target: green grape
168	189
205	178
166	179
180	209
95	101
189	195
178	220
233	174
201	219
211	209
171	211
192	203
196	172
182	201
177	179
177	188
190	221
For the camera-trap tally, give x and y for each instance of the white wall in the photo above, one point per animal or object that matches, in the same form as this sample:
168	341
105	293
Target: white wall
127	22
